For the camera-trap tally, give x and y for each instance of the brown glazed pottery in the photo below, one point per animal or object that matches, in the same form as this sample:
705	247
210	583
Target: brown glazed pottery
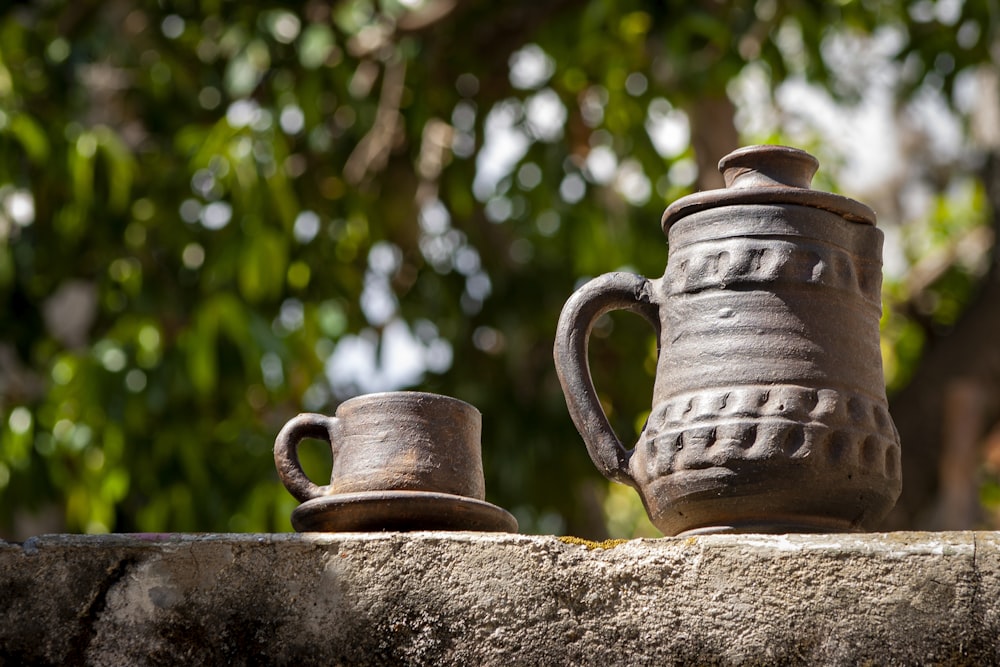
769	411
401	461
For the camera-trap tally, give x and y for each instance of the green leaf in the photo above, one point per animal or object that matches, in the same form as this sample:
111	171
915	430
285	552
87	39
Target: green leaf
263	262
30	135
315	45
121	166
81	169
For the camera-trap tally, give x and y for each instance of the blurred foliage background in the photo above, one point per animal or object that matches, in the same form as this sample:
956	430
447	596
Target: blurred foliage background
215	215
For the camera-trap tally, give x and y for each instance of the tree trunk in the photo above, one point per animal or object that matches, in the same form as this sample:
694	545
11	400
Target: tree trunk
970	352
713	136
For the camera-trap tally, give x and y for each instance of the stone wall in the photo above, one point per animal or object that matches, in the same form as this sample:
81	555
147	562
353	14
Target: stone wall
498	599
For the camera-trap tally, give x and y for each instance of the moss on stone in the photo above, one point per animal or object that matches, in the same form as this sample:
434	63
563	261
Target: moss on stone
589	544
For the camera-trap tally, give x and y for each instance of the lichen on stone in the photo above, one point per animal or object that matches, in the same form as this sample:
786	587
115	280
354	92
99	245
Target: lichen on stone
589	544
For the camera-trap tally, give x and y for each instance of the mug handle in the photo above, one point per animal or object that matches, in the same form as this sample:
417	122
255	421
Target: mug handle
286	453
611	291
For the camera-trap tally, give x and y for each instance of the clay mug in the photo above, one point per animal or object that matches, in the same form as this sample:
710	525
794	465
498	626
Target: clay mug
392	441
769	411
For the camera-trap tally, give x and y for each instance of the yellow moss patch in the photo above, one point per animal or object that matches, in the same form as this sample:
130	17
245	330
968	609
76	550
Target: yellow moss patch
606	544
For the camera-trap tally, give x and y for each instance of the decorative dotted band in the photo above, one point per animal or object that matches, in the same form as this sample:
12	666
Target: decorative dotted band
820	427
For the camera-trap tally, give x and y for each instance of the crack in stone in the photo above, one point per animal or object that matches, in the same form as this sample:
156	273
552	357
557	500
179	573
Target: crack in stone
89	616
979	651
977	581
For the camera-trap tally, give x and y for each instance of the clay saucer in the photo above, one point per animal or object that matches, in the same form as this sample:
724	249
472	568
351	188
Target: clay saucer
400	510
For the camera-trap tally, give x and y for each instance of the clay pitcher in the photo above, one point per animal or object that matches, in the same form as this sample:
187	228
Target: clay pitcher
769	411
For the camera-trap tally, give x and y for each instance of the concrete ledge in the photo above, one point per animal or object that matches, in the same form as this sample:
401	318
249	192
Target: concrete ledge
496	599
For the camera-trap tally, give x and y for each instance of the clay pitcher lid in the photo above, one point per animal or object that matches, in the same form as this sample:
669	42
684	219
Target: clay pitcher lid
768	175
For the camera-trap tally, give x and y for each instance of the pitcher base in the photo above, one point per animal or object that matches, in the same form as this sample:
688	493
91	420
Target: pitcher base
774	528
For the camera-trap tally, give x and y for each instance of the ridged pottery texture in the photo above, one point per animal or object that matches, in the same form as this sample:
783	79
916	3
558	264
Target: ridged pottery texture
769	411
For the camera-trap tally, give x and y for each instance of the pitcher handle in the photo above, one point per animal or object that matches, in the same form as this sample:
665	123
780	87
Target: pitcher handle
286	452
611	291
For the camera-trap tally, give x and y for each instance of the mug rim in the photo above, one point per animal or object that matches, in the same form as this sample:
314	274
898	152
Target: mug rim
406	394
